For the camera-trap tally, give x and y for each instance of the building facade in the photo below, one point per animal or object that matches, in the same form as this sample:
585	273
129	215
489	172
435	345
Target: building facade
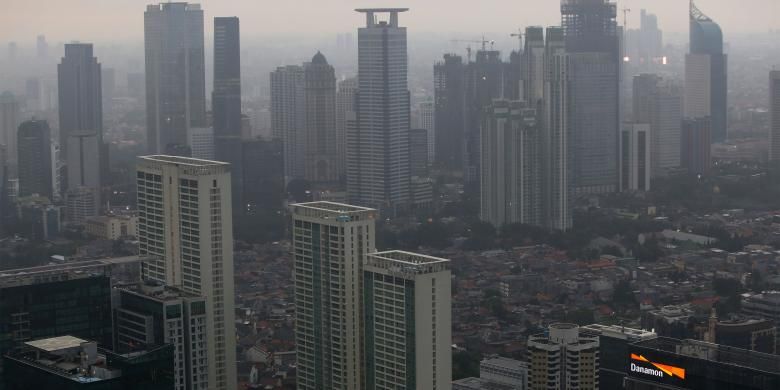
185	222
36	161
408	321
659	103
80	94
635	163
288	117
695	144
321	160
564	358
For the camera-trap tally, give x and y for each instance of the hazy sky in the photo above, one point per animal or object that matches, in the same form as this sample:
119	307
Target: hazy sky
105	20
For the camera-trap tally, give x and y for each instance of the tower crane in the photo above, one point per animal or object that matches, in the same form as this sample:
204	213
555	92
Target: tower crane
519	35
482	42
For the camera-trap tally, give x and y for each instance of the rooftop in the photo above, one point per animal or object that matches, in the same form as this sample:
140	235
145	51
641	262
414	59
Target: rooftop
56	343
619	331
504	362
407	262
187	161
714	352
68	270
479	384
381	9
331	210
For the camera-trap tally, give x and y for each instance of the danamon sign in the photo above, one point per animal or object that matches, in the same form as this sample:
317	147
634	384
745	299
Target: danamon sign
639	364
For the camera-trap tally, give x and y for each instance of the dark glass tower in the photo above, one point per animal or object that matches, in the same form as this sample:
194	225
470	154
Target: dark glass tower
450	111
706	41
80	94
34	148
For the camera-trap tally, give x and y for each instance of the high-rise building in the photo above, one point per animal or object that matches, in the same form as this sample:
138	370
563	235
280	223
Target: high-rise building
774	112
378	172
149	314
533	59
226	102
644	46
264	188
563	358
593	51
288	117
35	152
185	222
485	78
695	145
614	343
556	146
175	74
407	328
418	152
666	363
345	112
10	118
635	157
450	88
330	244
659	103
80	93
83	172
706	74
426	112
510	178
321	160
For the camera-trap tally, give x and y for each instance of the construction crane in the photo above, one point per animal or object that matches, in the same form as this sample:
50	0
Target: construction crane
482	42
519	35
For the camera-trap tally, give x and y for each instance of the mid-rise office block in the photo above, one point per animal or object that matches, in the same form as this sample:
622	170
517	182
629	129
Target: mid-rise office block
774	115
504	371
175	74
511	172
288	117
200	141
112	227
330	244
407	328
185	222
614	344
563	358
378	171
635	160
36	160
150	314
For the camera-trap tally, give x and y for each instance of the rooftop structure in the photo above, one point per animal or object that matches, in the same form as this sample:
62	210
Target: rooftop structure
407	262
328	210
65	271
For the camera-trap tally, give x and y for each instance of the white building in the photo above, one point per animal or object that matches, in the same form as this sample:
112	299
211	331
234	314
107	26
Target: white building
506	371
185	222
426	116
330	243
288	117
635	165
201	142
562	358
408	340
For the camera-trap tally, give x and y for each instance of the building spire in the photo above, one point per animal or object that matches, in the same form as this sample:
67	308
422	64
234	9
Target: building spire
696	14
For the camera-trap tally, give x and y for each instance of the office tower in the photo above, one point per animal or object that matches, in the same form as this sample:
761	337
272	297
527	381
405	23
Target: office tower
80	93
510	177
330	243
175	74
426	116
450	112
635	157
418	152
593	51
83	171
201	143
35	153
53	304
659	104
264	188
408	321
673	364
533	59
226	102
513	76
10	118
614	344
288	117
774	113
485	77
378	172
321	161
71	363
695	149
185	221
556	146
345	112
150	314
706	74
563	358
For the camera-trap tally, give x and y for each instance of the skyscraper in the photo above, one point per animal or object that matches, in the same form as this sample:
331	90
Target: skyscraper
485	78
35	152
10	118
185	222
659	103
510	177
449	81
426	112
288	117
330	243
533	66
80	93
563	358
706	74
695	149
175	74
774	112
321	161
635	157
345	111
556	145
407	305
593	51
83	165
226	102
378	172
418	152
264	188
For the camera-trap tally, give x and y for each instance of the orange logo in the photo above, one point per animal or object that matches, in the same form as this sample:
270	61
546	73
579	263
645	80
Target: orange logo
668	370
